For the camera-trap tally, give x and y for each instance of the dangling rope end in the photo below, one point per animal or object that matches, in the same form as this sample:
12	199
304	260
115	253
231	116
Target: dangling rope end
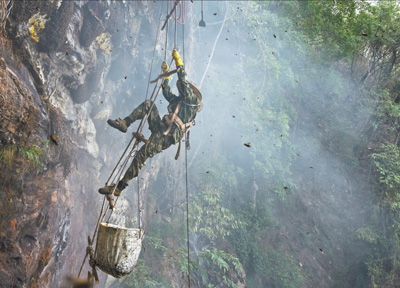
110	199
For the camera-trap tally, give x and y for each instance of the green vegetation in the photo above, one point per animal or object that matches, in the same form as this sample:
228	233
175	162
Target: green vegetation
324	66
361	39
210	217
31	156
7	154
335	47
213	222
140	277
368	234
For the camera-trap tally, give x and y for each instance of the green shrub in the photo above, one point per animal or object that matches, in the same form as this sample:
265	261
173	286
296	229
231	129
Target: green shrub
32	156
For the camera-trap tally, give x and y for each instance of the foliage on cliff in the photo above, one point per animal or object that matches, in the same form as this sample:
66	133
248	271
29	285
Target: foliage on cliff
319	76
325	70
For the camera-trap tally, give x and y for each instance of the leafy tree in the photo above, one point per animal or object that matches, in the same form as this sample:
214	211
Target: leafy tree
214	223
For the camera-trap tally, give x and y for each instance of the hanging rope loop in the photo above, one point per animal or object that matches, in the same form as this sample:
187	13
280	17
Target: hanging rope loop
182	12
170	13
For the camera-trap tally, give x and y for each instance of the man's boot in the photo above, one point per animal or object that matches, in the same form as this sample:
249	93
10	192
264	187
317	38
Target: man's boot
119	124
109	189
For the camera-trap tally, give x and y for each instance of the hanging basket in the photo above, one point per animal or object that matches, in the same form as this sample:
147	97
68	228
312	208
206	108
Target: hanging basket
118	249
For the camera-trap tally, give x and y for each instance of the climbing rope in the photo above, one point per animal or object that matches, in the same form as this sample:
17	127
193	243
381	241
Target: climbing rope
175	24
166	39
89	250
147	90
119	169
186	169
213	49
154	52
183	43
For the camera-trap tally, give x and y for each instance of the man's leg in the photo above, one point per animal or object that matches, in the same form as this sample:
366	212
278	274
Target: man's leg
140	113
137	114
157	143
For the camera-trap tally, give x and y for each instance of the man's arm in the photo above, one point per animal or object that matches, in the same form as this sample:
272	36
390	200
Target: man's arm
168	95
190	97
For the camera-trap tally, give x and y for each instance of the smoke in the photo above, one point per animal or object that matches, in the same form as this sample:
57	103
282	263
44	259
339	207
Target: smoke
279	129
304	122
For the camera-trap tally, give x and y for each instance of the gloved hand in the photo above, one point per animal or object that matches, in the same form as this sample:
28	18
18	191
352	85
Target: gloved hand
165	68
177	58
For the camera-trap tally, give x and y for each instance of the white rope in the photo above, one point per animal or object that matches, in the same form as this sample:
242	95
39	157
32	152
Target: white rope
213	49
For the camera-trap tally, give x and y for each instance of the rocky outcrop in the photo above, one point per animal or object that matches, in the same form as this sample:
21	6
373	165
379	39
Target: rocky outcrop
33	172
55	96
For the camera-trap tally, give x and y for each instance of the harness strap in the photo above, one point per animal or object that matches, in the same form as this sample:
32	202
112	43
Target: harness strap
187	143
140	137
193	105
172	118
183	127
178	151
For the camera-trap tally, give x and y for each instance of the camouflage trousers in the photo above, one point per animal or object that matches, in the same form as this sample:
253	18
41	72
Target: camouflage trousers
157	141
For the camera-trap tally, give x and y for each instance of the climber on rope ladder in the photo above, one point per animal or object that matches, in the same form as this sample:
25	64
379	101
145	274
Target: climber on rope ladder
166	131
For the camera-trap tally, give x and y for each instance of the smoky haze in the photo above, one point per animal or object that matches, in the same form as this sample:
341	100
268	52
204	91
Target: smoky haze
241	105
297	159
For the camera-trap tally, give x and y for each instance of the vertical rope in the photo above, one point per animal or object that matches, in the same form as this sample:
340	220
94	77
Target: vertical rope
147	90
213	49
154	51
183	43
138	199
121	170
187	208
166	38
175	28
186	171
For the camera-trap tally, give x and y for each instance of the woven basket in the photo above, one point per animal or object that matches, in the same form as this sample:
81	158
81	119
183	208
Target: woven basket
118	249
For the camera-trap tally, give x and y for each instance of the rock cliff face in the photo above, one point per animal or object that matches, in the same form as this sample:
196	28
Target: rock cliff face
64	66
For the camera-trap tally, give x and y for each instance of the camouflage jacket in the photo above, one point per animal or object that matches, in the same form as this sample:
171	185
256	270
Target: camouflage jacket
189	99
